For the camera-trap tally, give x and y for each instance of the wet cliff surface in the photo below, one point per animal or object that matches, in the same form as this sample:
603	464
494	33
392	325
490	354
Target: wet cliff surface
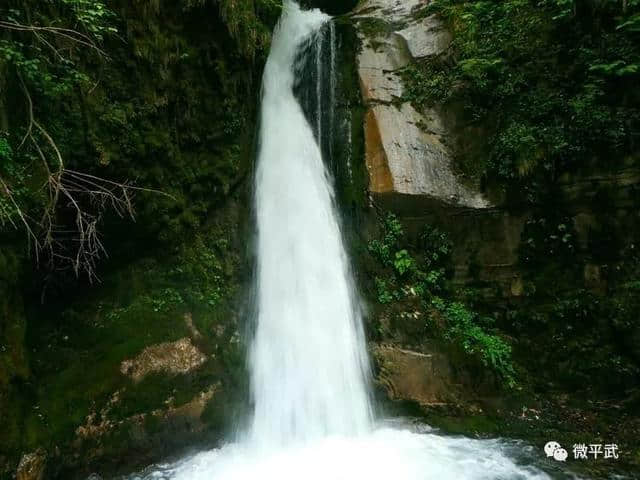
488	311
146	359
454	264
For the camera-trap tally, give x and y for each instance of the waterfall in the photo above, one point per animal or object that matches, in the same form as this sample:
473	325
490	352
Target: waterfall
308	360
312	416
315	85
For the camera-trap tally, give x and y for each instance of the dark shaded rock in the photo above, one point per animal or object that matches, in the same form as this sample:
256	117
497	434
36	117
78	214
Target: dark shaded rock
424	378
332	7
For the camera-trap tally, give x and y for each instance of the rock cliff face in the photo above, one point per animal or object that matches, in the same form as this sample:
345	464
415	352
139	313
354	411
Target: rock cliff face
410	164
407	152
148	360
525	264
424	378
410	155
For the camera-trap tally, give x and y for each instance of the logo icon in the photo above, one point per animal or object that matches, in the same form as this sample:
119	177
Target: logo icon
560	454
551	447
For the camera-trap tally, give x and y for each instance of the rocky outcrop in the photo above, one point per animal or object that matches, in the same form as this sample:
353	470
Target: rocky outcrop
171	357
409	156
406	151
424	378
100	424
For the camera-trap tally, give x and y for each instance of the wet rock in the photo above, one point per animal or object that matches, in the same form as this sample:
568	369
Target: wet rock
406	151
426	37
32	466
425	378
171	357
418	162
163	426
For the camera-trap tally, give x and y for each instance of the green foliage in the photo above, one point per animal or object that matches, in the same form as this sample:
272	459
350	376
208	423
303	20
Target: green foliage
419	273
249	22
93	16
385	296
48	50
172	110
581	340
382	249
577	321
436	247
15	177
403	263
196	279
464	328
169	111
141	305
43	50
549	80
6	156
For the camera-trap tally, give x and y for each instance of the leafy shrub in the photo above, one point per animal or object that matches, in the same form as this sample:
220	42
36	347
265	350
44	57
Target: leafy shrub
420	271
549	79
463	328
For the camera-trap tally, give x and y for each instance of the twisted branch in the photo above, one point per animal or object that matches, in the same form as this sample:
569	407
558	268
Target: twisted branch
76	245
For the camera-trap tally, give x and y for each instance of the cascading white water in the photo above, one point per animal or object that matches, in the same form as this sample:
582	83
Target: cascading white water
308	361
312	418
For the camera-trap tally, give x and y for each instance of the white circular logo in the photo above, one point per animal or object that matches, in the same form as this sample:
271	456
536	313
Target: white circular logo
560	454
550	448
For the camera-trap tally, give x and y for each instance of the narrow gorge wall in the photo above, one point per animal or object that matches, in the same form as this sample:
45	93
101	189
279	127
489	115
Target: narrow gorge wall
147	360
408	153
506	256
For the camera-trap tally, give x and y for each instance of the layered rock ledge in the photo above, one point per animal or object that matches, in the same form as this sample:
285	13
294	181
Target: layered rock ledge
406	151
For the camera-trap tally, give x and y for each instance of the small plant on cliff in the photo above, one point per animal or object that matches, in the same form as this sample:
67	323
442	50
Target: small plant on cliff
464	328
419	271
547	80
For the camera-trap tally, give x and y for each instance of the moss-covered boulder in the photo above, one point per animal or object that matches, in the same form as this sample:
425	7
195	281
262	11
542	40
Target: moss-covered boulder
146	365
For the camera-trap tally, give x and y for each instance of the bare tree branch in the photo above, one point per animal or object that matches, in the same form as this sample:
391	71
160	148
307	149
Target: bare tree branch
72	35
83	196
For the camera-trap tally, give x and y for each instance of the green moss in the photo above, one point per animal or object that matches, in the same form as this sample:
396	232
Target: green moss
77	347
545	86
412	281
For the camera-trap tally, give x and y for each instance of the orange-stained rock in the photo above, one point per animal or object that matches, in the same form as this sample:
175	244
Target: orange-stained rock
380	180
406	150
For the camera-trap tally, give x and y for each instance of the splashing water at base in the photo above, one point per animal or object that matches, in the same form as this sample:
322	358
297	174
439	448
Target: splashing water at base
309	369
384	454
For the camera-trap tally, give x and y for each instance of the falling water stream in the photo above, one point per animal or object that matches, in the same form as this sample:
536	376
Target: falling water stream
312	416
